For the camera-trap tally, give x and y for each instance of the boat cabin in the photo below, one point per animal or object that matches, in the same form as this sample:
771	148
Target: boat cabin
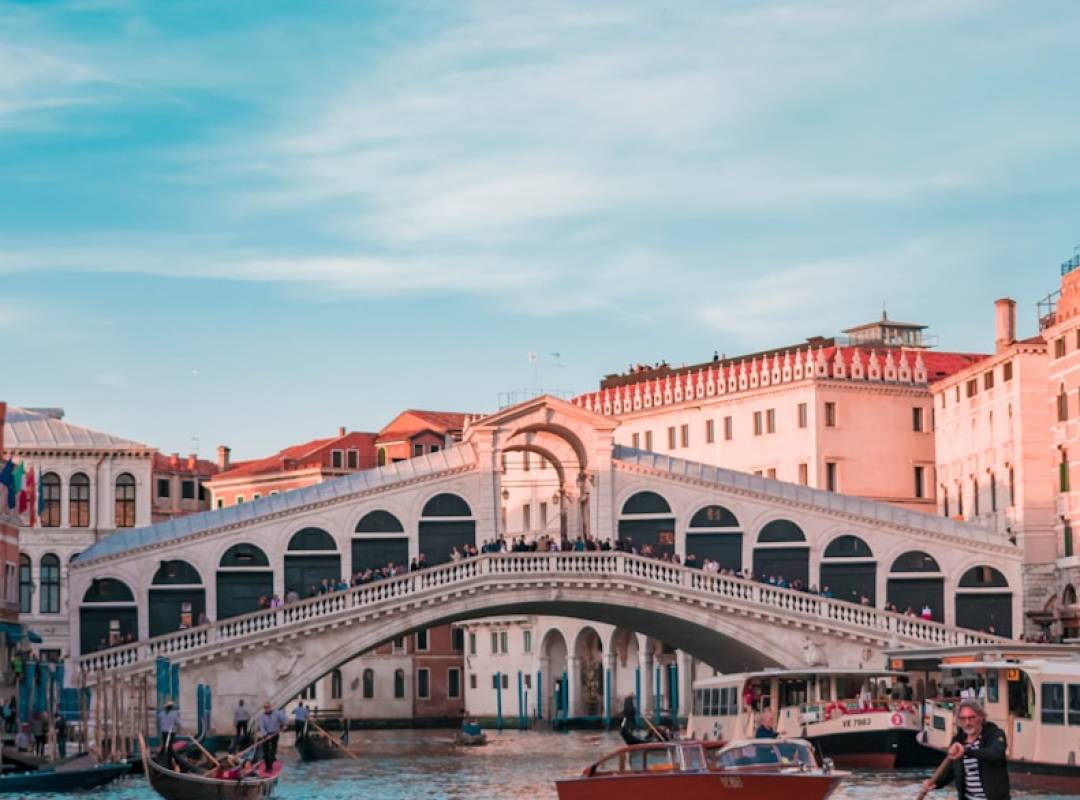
1032	692
692	756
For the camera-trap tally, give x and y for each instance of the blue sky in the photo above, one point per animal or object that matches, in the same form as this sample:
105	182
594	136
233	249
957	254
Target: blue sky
251	222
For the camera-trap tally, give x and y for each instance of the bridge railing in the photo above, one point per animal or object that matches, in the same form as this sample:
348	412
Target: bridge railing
611	564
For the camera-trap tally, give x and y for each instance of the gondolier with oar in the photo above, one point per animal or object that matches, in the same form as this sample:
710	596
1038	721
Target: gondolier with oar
241	718
976	760
169	721
270	723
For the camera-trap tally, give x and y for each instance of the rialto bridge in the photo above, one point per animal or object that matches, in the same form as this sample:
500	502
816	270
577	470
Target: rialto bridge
151	585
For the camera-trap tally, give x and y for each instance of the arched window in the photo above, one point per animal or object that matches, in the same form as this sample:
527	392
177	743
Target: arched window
125	501
244	578
108	590
399	683
848	546
714	517
369	684
646	503
108	615
79	501
983	577
26	585
379	522
915	561
50	500
50	584
312	539
175	571
781	530
446	505
1068	597
244	555
1062	404
335	685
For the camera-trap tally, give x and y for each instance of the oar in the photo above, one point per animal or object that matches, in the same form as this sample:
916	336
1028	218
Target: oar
937	774
659	736
315	725
206	752
256	744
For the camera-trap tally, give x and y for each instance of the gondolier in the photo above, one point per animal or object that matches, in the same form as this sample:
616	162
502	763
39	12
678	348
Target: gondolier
270	724
241	718
977	752
169	723
301	716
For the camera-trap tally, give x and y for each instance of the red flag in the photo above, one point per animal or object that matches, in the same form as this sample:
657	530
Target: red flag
32	492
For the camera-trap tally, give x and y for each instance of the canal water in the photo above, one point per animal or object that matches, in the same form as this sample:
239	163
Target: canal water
403	765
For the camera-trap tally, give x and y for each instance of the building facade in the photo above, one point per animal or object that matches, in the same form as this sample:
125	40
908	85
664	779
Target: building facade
10	632
850	418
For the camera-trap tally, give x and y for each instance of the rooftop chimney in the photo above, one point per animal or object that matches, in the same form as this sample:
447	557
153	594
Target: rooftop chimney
174	460
223	457
1006	323
341	432
193	462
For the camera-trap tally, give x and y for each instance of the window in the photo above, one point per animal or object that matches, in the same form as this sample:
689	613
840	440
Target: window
728	429
472	680
399	684
526	462
710	431
944	501
830	415
239	499
1053	703
494	643
804	474
221	502
771	473
417	450
988	380
1062	404
453	682
337	459
958	392
50	584
335	685
757	423
684	436
830	476
79	501
975	496
528	681
802	415
959	498
919	474
256	496
972	387
917	419
369	684
125	501
1012	487
472	644
422	640
352	459
423	683
1059	347
648	440
433	448
187	490
993	492
505	681
770	421
635	441
526	641
163	488
26	587
671	438
1074	703
1063	472
526	517
504	641
457	640
306	694
50	500
399	643
1006	371
543	515
202	492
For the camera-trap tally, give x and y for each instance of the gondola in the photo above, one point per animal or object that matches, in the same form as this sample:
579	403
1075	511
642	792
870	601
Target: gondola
317	746
63	780
173	785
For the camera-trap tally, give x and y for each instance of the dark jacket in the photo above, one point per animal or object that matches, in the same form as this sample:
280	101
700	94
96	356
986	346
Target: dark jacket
993	768
765	733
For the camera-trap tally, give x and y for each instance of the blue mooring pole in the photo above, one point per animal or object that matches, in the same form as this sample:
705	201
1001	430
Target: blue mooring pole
637	696
522	719
673	692
498	701
539	694
658	690
607	700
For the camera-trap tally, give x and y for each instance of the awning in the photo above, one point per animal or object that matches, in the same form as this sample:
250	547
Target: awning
33	637
12	630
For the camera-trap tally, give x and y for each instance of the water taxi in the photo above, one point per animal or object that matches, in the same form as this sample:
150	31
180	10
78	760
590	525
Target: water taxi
755	769
1032	692
857	717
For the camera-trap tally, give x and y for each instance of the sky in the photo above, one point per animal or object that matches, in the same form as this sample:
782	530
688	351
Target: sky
248	223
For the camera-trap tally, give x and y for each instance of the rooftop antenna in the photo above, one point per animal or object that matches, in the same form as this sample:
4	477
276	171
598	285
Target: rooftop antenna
536	369
195	444
884	312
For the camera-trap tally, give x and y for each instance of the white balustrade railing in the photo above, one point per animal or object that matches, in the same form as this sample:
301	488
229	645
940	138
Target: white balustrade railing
495	567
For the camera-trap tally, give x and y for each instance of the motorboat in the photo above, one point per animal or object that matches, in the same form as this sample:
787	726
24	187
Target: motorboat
470	735
751	769
1031	692
856	717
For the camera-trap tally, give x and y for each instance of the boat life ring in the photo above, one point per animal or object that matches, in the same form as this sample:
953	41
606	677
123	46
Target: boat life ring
897	719
834	710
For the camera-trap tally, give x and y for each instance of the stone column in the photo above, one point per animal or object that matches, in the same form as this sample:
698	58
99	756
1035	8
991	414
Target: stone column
610	699
686	682
645	666
573	685
545	688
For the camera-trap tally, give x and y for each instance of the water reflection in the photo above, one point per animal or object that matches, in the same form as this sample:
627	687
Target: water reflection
513	765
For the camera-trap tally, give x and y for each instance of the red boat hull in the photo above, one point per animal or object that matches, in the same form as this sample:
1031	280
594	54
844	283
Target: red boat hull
699	786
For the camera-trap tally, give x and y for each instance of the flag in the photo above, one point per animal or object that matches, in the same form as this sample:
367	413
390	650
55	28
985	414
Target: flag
40	492
7	478
31	495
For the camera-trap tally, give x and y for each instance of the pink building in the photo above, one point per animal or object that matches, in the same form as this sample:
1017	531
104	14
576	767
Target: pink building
852	416
994	465
9	579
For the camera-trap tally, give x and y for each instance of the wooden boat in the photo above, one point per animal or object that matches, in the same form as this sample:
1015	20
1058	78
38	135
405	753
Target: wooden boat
62	780
755	769
470	735
856	717
1030	691
316	746
173	785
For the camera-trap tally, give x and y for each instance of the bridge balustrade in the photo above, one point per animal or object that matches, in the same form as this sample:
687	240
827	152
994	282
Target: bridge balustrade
748	593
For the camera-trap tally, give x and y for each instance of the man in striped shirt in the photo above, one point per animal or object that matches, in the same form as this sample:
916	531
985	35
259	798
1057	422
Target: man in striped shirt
979	767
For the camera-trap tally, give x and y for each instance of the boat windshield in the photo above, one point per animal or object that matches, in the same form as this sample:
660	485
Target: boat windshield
669	758
763	754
